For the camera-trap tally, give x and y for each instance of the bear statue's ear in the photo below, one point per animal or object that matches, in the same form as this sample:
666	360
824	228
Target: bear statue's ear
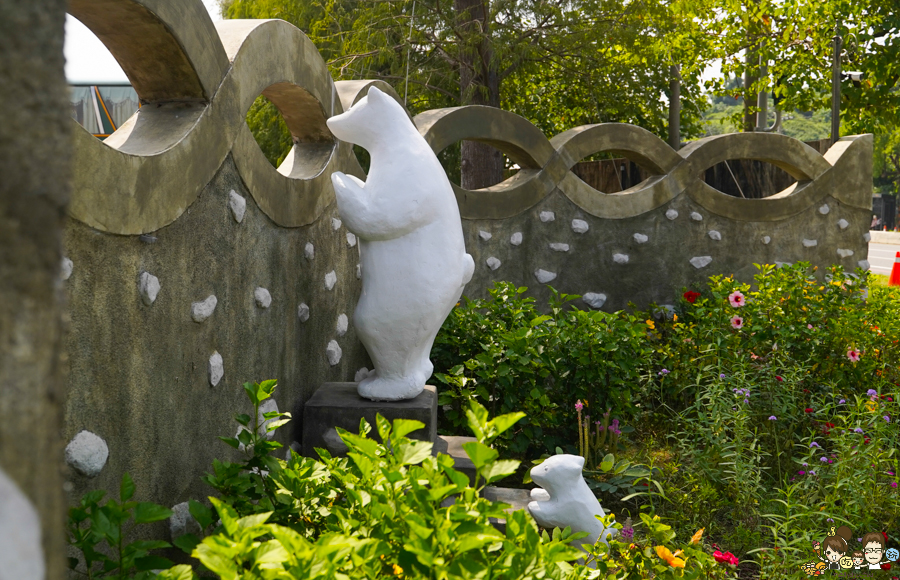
580	461
376	95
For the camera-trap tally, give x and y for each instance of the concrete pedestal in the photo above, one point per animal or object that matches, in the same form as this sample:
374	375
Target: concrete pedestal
339	405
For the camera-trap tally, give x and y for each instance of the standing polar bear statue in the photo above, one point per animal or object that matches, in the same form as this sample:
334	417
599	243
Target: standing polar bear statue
412	254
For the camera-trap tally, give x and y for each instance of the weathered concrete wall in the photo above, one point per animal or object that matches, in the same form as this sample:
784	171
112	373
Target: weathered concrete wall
139	375
34	190
179	205
545	226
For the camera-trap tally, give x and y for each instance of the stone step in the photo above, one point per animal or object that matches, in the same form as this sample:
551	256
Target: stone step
452	446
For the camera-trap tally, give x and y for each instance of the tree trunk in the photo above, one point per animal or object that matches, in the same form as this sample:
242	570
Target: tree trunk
675	107
34	189
751	76
479	84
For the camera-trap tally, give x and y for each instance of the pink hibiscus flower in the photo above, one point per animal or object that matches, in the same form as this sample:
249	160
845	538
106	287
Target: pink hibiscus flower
853	355
736	299
737	322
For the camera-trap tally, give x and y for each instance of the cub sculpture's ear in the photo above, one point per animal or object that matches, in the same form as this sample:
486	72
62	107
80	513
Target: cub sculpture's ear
580	460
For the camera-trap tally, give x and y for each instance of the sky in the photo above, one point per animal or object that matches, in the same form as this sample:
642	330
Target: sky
88	61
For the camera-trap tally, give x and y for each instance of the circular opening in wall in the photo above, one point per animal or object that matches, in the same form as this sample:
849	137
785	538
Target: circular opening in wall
288	124
749	179
612	172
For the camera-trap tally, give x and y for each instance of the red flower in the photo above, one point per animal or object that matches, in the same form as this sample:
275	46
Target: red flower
808	410
691	296
727	558
886	566
885	537
866	441
779	379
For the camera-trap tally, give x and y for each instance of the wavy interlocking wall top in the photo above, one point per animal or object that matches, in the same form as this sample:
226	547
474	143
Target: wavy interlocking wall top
180	204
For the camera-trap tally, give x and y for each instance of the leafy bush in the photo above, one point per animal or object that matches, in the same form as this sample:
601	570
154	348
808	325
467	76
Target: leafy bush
508	357
98	530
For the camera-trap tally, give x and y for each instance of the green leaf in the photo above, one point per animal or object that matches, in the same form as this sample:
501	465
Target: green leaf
243	419
384	428
226	514
186	543
252	390
201	513
479	453
477	417
403	427
500	469
180	572
146	512
126	488
413	452
504	422
152	563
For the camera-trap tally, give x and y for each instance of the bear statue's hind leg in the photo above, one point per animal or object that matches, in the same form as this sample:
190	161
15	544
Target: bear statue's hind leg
391	388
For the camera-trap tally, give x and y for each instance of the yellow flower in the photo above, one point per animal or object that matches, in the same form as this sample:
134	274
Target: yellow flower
651	324
871	406
669	557
397	570
696	537
674	318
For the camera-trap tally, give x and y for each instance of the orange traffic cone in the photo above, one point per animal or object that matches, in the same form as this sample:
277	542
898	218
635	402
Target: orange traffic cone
895	272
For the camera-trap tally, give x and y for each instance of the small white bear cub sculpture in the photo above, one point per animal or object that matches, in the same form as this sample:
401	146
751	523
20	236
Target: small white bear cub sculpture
412	252
566	500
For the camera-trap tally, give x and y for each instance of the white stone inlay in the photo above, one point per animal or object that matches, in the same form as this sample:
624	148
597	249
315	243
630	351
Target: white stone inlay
701	261
559	247
810	243
181	521
492	263
864	264
843	224
238	206
330	280
543	276
65	269
547	216
303	312
343	323
202	310
361	374
824	209
594	300
216	368
148	287
580	226
351	239
516	238
672	214
766	240
87	453
696	216
640	238
485	236
844	253
333	353
714	235
867	237
358	271
620	258
335	224
309	251
262	297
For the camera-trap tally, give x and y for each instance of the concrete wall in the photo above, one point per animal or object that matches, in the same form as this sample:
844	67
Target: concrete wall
545	226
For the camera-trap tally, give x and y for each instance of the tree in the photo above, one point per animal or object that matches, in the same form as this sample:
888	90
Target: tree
558	63
785	47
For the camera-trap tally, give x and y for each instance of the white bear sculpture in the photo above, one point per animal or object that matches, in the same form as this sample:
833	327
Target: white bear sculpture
566	500
412	252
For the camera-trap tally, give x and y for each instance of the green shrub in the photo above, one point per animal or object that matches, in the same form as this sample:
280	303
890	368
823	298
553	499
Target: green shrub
508	357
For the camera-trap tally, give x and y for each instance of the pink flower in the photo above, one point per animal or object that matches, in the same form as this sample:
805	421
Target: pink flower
809	326
737	322
894	484
579	405
736	299
853	355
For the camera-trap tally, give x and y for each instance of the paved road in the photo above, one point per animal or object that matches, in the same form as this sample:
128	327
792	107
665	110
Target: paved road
881	257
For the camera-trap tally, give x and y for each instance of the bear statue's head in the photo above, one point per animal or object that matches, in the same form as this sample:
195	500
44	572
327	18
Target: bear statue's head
558	472
375	119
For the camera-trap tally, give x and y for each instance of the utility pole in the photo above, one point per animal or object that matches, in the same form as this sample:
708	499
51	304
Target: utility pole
838	43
